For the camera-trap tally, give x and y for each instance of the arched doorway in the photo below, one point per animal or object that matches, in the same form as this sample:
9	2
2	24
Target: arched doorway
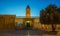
28	24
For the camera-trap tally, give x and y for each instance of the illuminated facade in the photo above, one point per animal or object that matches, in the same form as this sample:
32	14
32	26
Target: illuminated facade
8	21
32	21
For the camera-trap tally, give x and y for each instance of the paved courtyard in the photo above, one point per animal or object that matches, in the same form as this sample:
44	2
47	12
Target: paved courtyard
27	33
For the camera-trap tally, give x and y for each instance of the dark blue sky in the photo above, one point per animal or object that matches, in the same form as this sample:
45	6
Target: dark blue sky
18	7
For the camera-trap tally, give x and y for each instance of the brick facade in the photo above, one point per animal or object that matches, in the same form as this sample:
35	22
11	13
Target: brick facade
7	22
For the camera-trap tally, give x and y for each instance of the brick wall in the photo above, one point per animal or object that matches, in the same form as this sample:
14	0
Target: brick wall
19	20
7	22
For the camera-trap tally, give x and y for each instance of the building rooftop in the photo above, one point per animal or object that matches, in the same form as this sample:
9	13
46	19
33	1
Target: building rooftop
25	17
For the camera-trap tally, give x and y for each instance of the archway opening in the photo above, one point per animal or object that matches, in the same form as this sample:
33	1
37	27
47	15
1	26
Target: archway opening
28	25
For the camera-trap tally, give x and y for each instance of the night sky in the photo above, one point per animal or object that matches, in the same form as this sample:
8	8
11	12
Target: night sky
18	7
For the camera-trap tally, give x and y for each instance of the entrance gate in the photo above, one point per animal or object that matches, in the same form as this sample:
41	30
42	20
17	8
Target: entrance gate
28	25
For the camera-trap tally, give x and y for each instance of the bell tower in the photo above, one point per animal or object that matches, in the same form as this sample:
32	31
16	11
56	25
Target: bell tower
28	20
28	12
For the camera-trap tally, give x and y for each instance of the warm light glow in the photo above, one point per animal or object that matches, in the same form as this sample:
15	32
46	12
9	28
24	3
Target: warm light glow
28	12
28	34
28	21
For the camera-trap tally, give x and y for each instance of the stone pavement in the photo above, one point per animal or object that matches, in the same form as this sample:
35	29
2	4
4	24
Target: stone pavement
27	33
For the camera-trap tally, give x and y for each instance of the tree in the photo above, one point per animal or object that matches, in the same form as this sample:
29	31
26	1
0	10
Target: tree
50	16
58	14
42	16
